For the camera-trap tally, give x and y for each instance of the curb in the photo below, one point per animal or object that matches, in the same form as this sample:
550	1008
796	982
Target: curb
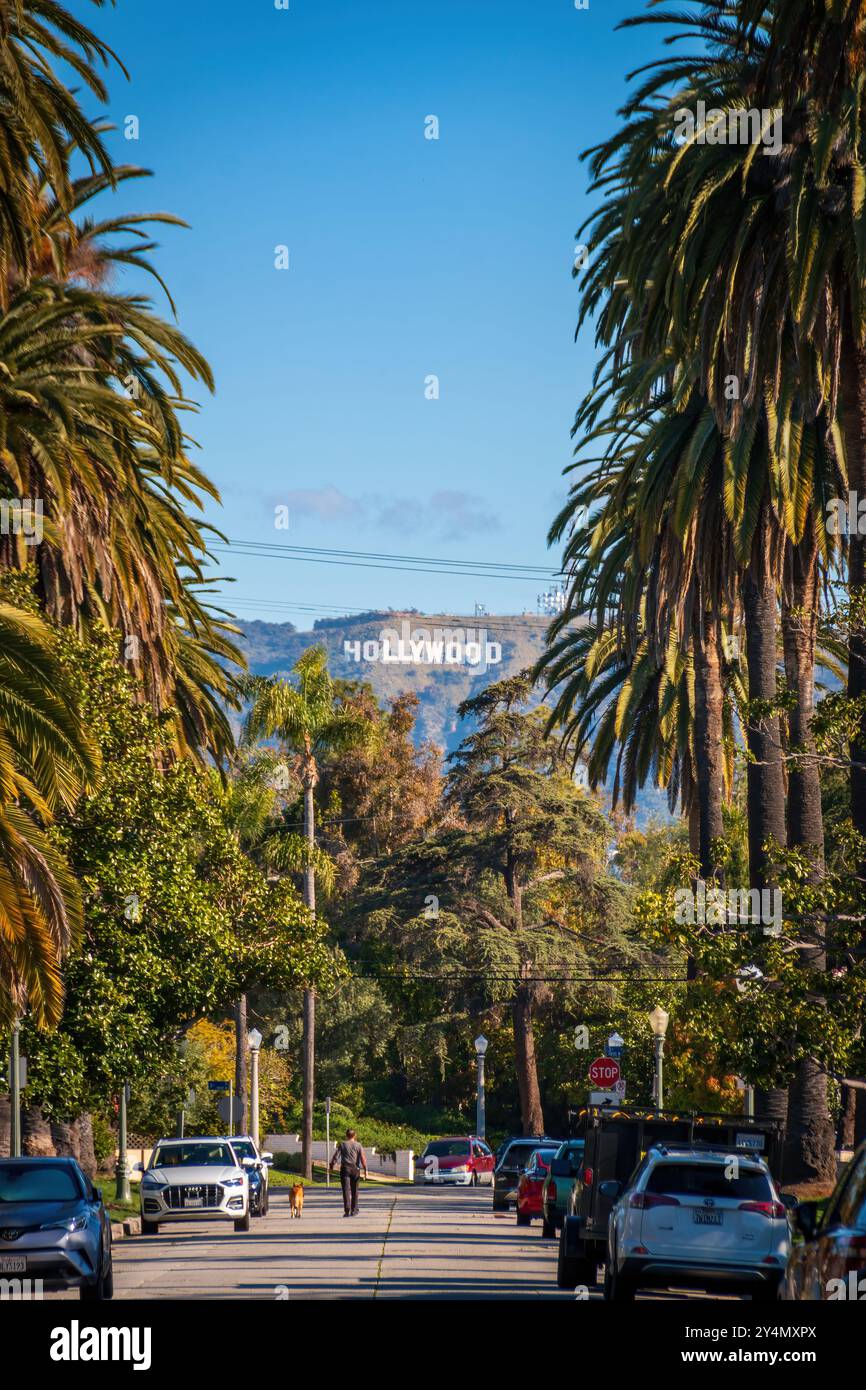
121	1230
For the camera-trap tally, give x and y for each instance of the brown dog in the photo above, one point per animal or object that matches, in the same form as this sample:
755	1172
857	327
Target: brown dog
296	1200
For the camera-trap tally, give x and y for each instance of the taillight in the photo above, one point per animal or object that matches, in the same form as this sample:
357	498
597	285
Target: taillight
644	1200
587	1177
551	1191
853	1251
771	1209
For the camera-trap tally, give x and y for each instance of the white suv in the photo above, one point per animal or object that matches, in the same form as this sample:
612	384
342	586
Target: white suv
194	1180
696	1218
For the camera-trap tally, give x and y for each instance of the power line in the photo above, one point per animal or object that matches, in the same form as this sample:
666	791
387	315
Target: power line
359	559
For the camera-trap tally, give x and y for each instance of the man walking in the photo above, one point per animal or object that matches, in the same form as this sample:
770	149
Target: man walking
353	1161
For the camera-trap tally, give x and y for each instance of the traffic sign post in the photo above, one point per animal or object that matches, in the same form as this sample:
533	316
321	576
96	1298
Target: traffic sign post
604	1073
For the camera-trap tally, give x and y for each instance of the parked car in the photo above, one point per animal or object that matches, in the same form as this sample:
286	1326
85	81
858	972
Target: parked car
54	1227
556	1192
615	1142
530	1184
511	1160
257	1163
199	1179
460	1160
830	1262
696	1218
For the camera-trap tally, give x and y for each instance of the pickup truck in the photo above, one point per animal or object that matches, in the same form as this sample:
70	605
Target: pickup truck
615	1140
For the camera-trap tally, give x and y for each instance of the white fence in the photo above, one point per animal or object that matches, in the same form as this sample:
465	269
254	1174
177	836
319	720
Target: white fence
401	1166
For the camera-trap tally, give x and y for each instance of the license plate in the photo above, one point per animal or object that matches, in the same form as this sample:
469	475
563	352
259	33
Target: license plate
8	1265
707	1218
193	1202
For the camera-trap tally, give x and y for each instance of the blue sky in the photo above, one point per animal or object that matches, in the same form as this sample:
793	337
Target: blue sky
408	258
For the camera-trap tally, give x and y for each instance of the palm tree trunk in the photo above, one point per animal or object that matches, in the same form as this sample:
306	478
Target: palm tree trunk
847	1112
309	1030
810	1142
241	1061
531	1113
765	779
853	418
765	783
799	628
708	739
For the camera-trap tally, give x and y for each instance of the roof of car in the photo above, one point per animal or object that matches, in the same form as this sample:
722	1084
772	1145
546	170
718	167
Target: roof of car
43	1158
197	1139
674	1155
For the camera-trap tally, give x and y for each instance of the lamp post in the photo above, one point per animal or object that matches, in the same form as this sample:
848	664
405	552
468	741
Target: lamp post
658	1020
480	1049
254	1038
15	1093
121	1169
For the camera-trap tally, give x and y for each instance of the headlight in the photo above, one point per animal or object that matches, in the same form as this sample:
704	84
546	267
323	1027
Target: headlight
72	1223
460	1168
233	1182
153	1184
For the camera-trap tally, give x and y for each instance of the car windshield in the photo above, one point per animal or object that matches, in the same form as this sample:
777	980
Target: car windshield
573	1148
518	1155
541	1158
199	1155
243	1148
447	1148
38	1182
709	1180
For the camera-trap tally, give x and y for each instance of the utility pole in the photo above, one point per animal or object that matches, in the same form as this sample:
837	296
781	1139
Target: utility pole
15	1092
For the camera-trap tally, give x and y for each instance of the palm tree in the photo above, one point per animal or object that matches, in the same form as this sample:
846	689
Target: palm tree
310	721
40	117
46	759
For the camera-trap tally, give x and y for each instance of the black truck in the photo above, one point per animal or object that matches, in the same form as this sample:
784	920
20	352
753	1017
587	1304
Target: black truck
615	1141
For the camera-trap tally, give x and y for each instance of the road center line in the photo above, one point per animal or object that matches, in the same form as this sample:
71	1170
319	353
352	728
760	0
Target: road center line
384	1243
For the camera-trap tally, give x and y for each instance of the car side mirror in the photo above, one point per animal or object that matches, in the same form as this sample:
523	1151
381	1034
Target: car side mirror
610	1189
267	1159
96	1194
138	1167
789	1200
806	1219
248	1163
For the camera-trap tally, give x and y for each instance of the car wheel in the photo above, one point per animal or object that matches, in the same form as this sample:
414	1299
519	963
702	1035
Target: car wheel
149	1228
264	1203
242	1223
567	1267
548	1229
616	1288
102	1288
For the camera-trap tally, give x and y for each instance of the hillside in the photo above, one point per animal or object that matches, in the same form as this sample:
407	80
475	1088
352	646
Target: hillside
274	647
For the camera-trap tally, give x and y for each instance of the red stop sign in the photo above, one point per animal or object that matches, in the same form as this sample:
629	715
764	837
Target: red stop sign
604	1072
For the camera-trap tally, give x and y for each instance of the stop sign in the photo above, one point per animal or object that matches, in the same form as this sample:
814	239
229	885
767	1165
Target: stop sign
604	1072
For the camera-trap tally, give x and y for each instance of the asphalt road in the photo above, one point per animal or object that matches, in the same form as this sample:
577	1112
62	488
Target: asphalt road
405	1243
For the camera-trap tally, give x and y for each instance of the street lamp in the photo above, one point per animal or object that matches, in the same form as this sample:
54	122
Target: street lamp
480	1049
121	1170
658	1021
254	1038
15	1093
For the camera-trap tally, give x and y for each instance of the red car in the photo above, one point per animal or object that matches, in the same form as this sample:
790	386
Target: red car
463	1161
829	1264
529	1188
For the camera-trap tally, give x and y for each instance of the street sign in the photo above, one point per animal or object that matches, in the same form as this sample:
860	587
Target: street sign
619	1088
615	1045
219	1085
604	1098
230	1109
604	1072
